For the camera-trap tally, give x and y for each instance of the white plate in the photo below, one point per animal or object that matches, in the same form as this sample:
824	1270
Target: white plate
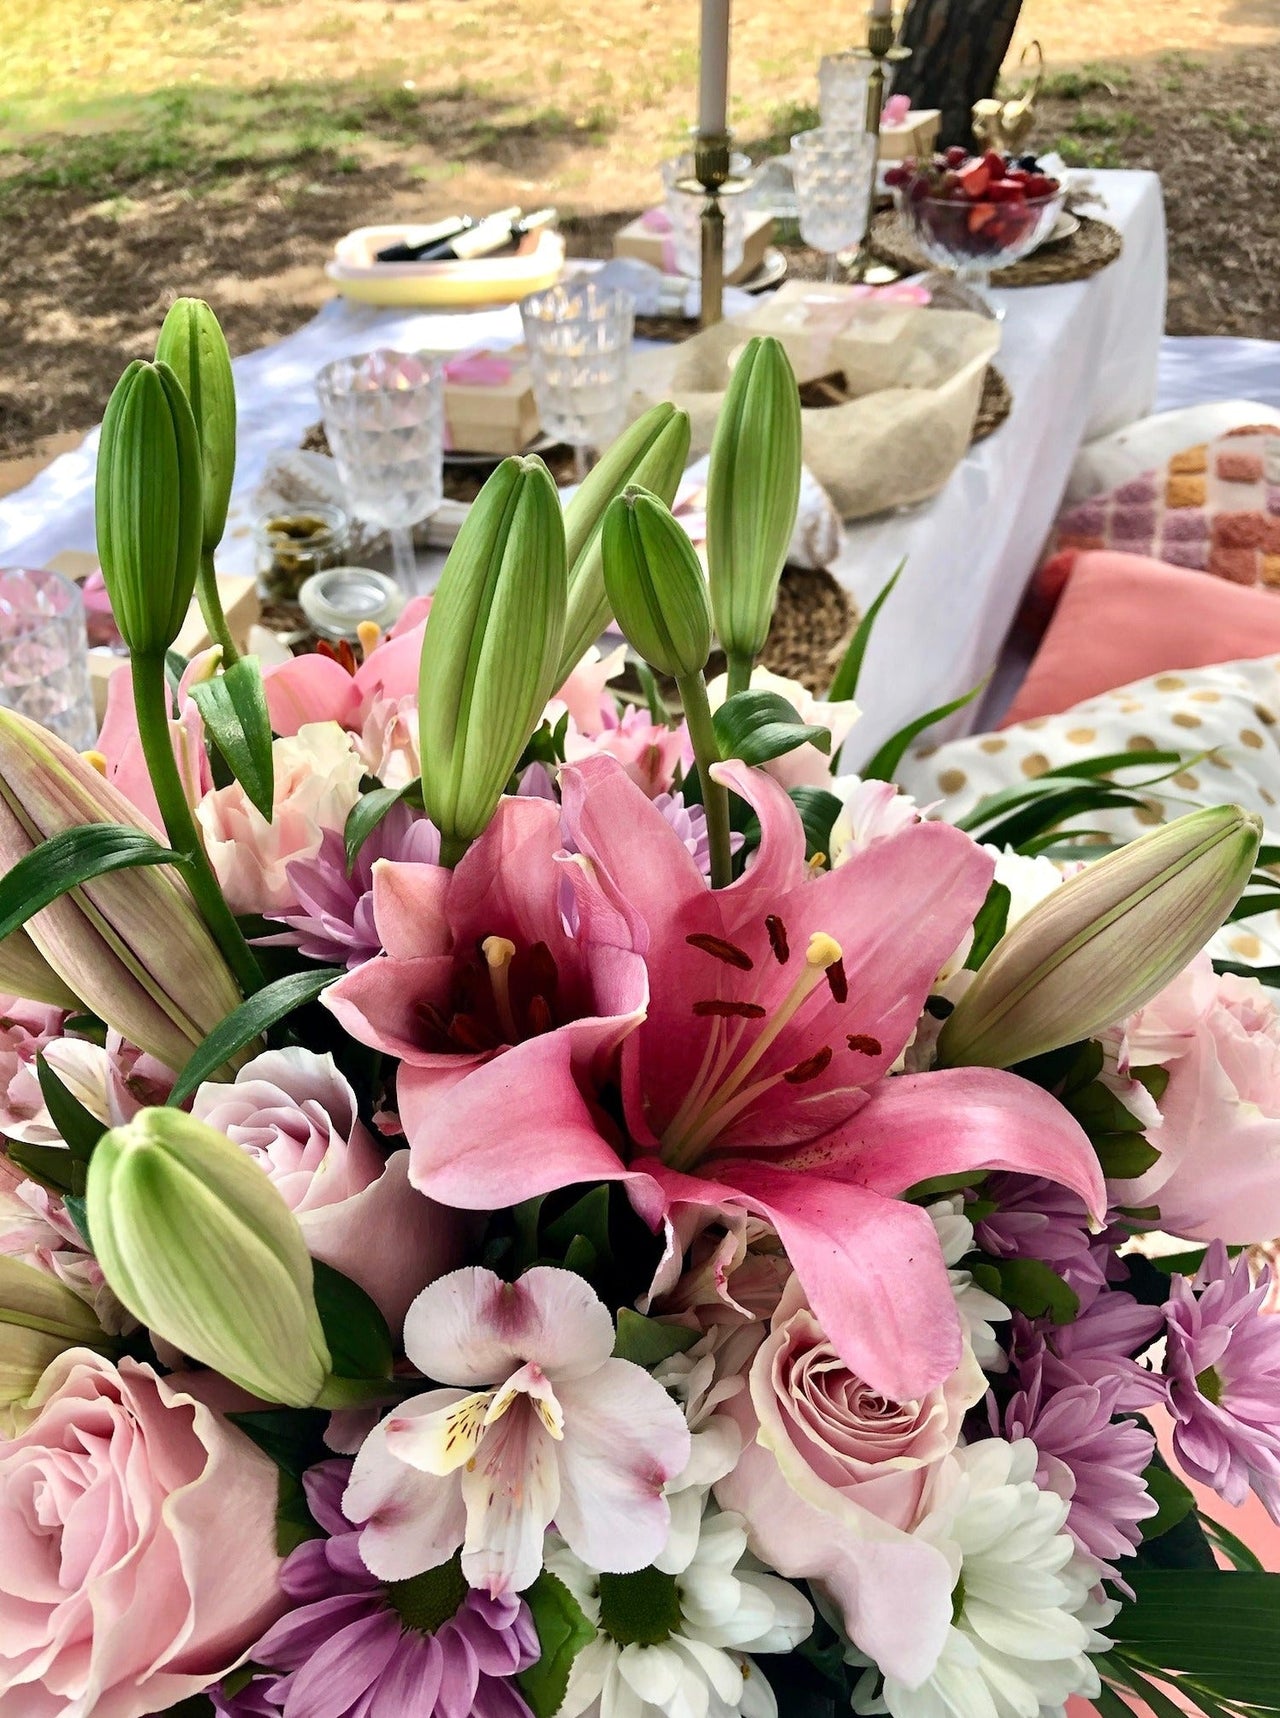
772	270
1062	228
464	456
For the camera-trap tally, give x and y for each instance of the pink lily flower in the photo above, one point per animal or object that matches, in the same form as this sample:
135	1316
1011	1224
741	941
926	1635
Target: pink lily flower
546	1426
479	966
756	1083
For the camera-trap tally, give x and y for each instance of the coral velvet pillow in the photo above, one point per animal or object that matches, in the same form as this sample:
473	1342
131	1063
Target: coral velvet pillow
1123	617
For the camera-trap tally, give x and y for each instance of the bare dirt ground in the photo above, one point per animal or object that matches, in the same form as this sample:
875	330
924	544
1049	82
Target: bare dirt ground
150	147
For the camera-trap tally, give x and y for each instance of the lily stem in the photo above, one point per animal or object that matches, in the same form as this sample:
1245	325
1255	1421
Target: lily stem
150	697
452	848
715	796
740	667
211	608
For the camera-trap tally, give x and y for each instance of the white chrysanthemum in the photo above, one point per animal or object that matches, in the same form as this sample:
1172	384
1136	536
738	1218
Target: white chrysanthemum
978	1310
676	1644
1026	1608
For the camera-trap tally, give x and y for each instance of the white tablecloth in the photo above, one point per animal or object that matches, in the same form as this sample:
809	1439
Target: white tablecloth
1080	360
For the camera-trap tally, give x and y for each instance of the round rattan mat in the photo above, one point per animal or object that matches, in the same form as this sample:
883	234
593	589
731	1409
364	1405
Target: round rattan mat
994	406
1088	251
813	621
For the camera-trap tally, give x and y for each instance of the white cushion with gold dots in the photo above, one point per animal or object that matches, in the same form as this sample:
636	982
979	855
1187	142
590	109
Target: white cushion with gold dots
1230	713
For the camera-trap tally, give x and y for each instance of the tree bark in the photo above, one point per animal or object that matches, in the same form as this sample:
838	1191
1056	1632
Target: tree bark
957	48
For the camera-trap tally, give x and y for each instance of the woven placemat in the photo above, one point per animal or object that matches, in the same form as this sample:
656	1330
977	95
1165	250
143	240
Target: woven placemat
1087	252
813	620
994	406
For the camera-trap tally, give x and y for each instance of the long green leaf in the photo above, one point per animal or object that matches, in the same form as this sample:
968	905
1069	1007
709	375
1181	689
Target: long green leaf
234	707
50	1165
989	926
250	1021
845	683
1104	762
80	1131
1220	1629
1234	1549
365	816
1249	906
70	858
757	726
892	752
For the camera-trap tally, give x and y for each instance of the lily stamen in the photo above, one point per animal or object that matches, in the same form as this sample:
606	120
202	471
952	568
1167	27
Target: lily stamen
499	952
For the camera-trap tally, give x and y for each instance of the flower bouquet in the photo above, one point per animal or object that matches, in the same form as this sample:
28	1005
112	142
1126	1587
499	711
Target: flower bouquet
518	1202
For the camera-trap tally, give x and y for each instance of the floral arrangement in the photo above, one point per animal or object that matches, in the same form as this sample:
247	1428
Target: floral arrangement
533	1199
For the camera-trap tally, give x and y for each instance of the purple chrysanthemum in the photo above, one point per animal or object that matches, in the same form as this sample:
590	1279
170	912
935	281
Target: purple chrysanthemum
1099	1346
1087	1456
335	921
1222	1357
1037	1219
357	1647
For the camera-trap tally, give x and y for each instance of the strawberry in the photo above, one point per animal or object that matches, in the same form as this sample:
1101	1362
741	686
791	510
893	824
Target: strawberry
1006	191
981	215
956	156
974	177
1040	185
995	163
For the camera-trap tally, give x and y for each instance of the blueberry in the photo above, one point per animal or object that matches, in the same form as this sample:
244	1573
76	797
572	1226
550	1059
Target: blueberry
1029	163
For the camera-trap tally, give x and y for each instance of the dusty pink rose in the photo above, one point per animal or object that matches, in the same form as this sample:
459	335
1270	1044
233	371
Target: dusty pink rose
388	741
317	781
295	1115
139	1545
833	1477
1219	1134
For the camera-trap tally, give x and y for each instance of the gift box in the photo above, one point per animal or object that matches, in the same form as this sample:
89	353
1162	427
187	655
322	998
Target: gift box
648	239
488	402
916	135
239	604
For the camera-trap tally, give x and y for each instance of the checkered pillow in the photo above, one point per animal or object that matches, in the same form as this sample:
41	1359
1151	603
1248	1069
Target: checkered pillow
1214	508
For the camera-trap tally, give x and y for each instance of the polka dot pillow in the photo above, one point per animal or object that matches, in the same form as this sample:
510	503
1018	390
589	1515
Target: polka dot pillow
1230	713
1214	508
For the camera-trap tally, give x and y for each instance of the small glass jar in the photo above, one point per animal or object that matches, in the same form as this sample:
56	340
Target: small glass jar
339	601
293	546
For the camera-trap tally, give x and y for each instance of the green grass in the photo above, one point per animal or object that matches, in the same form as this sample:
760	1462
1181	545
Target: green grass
1081	154
1094	79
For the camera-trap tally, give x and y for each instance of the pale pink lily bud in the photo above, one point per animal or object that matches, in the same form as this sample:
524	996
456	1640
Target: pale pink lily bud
130	945
1105	942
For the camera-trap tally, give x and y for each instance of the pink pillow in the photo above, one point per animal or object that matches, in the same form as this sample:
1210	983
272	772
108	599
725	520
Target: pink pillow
1123	617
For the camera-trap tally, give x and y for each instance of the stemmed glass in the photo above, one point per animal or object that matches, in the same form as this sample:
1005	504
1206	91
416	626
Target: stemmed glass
684	212
834	172
842	91
383	415
578	336
44	653
970	240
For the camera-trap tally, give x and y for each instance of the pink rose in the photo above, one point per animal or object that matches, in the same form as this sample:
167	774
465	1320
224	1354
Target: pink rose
317	781
139	1545
295	1115
833	1477
1219	1133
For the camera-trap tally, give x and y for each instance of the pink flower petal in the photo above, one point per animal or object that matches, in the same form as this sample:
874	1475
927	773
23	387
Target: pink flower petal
412	1521
511	1491
309	689
472	1328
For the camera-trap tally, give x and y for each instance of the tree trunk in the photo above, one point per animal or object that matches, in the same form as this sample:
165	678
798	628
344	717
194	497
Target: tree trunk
957	50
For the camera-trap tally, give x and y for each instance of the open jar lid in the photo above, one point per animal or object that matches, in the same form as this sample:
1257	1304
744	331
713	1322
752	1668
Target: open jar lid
340	599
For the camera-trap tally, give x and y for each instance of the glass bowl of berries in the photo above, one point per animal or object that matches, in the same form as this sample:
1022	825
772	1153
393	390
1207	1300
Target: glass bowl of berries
972	215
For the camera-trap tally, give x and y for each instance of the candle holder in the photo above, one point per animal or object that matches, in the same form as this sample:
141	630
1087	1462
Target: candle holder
882	49
712	179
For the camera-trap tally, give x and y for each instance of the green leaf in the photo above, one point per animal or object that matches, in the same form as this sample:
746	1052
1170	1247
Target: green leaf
757	726
845	683
1028	1285
659	715
1108	1703
79	1129
250	1021
1154	1078
1249	906
1100	1111
1235	1550
1125	1156
989	926
1105	762
234	707
77	1208
818	812
73	857
357	1334
563	1631
50	1165
1174	1498
292	1437
1220	1629
365	816
648	1341
587	1218
295	1523
1237	969
892	752
1159	1702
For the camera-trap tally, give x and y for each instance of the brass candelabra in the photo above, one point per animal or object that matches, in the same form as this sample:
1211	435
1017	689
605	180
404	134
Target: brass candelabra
883	50
712	180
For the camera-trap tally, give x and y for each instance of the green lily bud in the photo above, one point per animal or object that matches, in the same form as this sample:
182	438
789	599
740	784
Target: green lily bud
492	648
198	1244
130	945
194	347
25	972
149	508
655	584
653	452
753	492
39	1318
1105	942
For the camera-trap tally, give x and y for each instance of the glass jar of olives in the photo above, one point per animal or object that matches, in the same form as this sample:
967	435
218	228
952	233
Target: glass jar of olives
293	546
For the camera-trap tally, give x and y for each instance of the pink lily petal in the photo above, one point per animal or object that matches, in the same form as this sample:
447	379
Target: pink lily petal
617	1455
414	1521
391	671
919	1126
378	1002
409	908
871	1267
471	1327
309	689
